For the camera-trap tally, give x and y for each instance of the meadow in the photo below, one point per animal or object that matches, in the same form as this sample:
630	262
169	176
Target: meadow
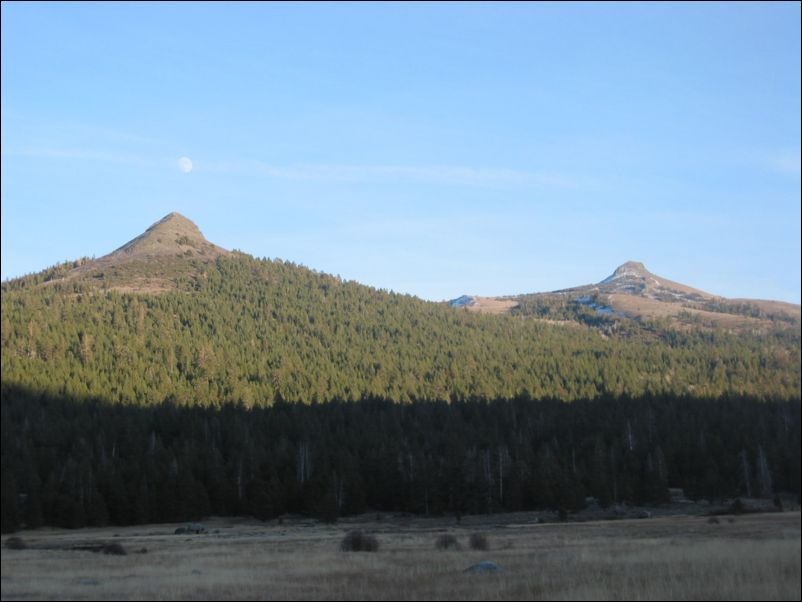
748	557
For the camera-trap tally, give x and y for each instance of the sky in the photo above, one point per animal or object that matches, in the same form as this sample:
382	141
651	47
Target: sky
430	149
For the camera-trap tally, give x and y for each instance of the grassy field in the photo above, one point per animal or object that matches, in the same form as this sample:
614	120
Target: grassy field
751	557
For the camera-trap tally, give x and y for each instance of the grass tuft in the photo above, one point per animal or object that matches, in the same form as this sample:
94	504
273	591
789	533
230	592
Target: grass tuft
447	542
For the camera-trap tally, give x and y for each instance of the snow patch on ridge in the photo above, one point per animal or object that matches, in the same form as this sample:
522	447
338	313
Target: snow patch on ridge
463	301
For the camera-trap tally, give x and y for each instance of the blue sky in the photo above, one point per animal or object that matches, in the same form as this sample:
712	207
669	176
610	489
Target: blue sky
431	149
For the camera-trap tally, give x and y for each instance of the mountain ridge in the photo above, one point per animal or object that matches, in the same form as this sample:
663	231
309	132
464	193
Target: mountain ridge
633	291
148	324
176	237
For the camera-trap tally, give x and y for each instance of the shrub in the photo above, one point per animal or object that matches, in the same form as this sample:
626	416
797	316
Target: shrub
447	542
478	541
16	543
356	541
115	549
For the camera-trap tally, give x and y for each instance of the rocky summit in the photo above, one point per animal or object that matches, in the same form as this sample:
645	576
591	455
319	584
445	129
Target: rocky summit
173	235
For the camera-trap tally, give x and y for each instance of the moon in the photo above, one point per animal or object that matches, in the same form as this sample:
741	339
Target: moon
185	164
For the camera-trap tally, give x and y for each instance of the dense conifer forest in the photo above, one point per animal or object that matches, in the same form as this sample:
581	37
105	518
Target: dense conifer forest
250	386
73	463
255	332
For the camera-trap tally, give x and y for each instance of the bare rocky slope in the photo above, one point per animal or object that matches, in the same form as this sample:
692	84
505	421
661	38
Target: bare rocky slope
155	260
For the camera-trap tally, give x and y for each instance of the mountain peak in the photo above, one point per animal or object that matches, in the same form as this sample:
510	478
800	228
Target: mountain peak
631	268
174	216
632	278
159	254
176	222
174	234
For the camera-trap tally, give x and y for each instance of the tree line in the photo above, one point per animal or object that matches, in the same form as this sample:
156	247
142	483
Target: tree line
75	462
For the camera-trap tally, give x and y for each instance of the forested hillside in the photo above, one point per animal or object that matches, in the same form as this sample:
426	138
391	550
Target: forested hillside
251	331
172	379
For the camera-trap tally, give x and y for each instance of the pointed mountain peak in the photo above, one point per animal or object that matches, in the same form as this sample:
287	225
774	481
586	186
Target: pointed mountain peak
176	222
174	234
153	260
632	278
174	216
630	269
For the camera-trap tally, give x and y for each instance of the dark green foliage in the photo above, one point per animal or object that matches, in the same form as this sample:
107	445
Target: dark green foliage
132	408
9	500
255	332
751	310
94	462
52	273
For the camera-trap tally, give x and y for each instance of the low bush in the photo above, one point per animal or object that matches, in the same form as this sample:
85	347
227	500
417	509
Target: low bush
356	541
478	542
114	549
16	543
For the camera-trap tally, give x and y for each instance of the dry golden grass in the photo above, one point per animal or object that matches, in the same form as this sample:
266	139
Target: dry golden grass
756	557
492	305
644	307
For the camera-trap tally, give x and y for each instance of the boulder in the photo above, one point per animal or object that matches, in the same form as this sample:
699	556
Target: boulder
486	566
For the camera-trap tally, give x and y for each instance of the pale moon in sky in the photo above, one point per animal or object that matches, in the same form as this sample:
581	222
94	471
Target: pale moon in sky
185	164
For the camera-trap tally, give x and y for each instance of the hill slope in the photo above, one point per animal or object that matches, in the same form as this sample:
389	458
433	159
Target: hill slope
184	330
170	316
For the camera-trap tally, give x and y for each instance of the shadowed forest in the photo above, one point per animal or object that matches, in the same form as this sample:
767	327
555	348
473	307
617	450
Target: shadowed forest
75	463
